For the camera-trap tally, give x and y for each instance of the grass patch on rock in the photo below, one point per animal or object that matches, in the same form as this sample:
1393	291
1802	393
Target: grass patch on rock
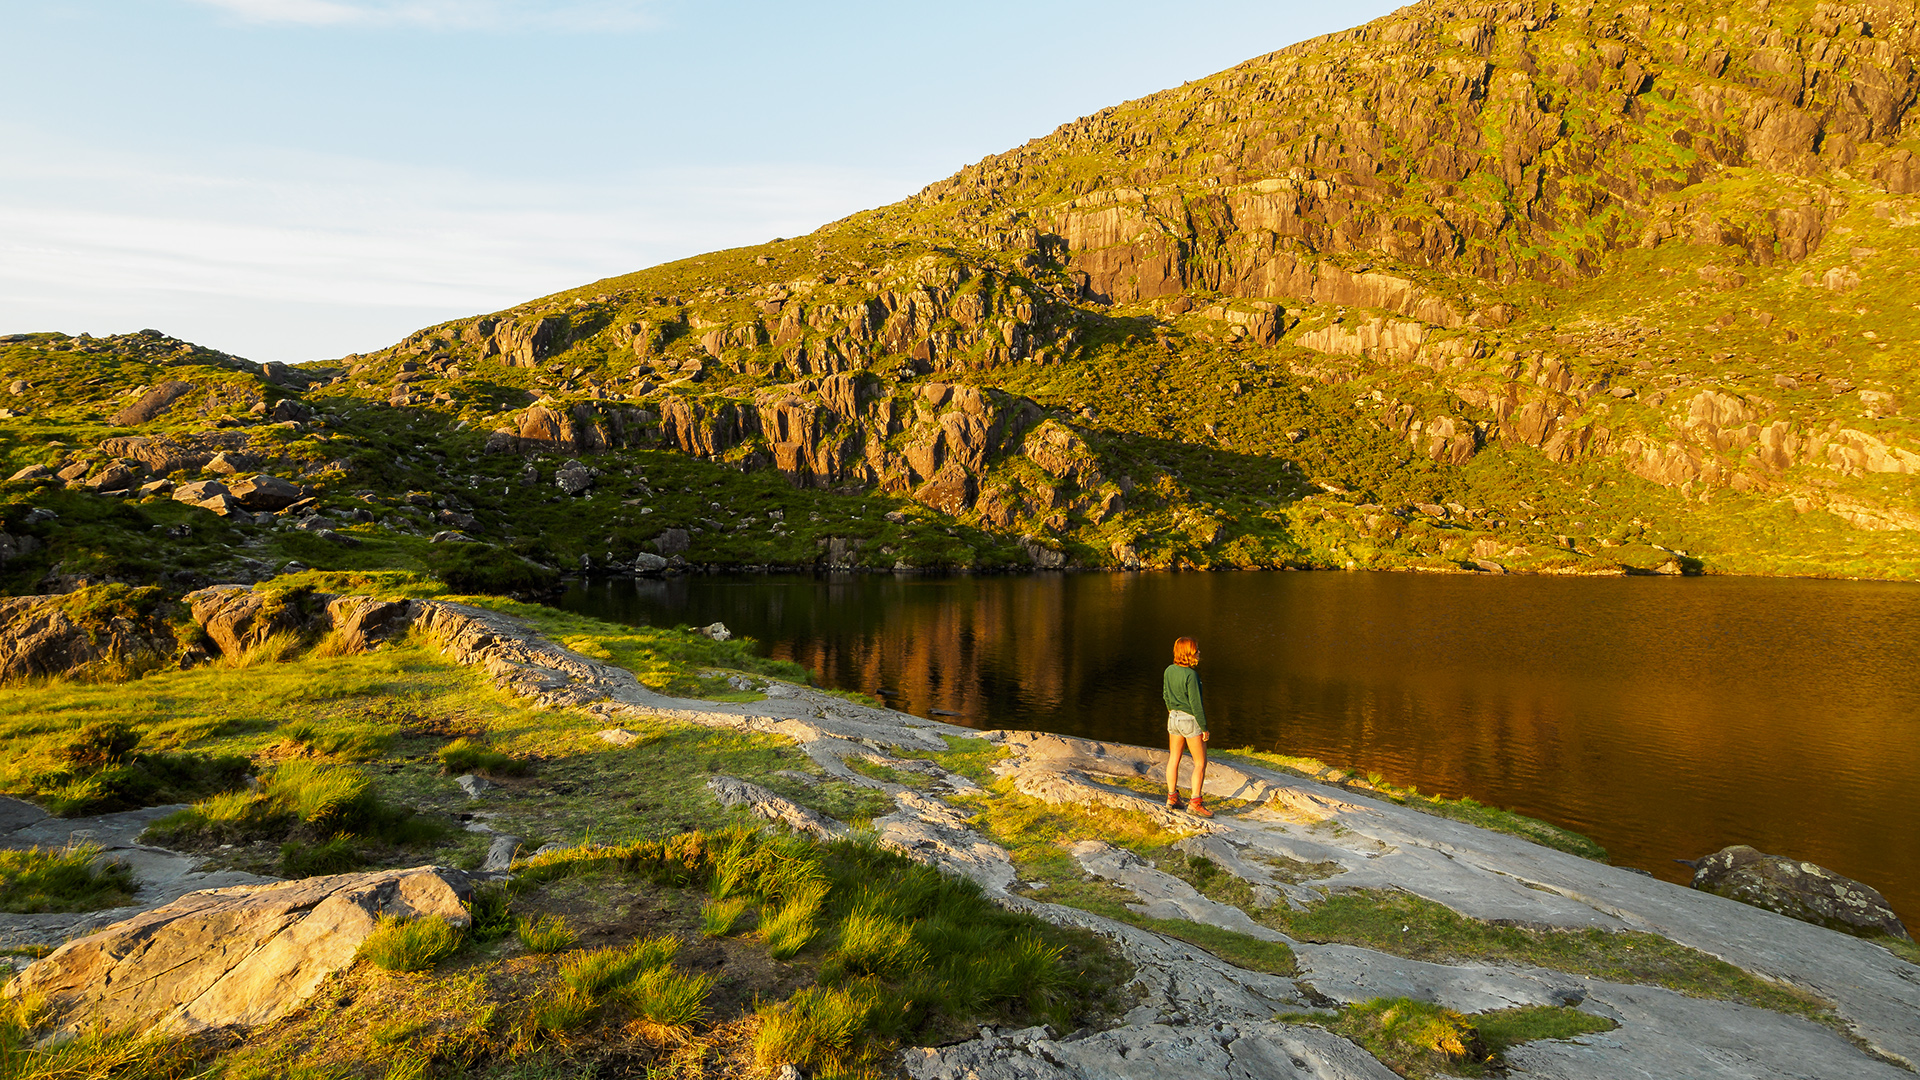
1406	925
1422	1039
67	879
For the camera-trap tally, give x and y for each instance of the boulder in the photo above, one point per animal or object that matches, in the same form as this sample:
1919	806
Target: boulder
575	477
1044	557
237	618
646	562
950	491
265	492
671	541
1798	890
289	409
237	957
362	621
12	547
33	472
199	492
152	403
114	476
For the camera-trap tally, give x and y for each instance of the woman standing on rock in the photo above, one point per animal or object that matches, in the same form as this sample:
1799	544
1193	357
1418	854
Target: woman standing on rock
1186	723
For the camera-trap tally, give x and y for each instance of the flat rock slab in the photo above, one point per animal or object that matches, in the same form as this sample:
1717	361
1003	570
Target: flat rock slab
1246	1051
1664	1034
160	876
240	956
15	814
1164	896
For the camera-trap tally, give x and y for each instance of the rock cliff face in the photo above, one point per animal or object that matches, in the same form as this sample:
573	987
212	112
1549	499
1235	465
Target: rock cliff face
1395	210
1628	258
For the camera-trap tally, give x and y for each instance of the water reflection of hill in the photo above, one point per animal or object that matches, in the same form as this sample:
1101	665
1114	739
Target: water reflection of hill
1665	718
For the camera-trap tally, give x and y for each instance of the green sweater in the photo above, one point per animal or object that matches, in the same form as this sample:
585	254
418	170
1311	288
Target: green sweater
1180	689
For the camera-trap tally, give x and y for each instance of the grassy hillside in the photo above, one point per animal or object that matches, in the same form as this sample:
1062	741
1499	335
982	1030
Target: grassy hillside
1597	289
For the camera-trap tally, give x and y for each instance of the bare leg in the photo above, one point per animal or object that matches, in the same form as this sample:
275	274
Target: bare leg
1175	744
1198	745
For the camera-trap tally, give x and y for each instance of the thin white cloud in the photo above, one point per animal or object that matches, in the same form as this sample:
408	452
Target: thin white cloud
568	15
295	257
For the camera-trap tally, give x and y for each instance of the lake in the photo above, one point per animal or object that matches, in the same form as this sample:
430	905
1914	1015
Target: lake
1664	717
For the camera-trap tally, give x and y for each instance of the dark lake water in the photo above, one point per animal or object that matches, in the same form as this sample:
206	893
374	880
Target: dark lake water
1665	718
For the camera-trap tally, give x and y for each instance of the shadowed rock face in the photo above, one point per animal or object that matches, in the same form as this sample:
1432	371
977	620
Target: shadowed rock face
1799	890
231	957
39	637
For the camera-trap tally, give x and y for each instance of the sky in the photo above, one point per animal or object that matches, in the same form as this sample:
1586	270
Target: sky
296	180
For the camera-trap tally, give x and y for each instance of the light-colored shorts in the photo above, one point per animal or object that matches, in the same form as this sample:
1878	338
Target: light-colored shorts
1181	722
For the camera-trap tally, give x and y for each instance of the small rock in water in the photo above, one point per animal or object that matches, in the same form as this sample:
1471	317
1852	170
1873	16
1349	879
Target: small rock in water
1798	890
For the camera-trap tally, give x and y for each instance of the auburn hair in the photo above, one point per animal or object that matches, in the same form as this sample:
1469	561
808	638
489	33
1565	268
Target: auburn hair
1186	651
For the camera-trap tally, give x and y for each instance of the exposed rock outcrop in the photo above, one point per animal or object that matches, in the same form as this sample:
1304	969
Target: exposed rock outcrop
152	403
238	957
238	617
63	636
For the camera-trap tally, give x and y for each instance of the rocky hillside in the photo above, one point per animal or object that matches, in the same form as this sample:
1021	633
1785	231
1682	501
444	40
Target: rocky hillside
1590	288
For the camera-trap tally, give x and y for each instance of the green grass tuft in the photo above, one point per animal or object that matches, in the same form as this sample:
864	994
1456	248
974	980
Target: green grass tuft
70	879
464	755
818	1029
398	944
718	917
666	1002
545	934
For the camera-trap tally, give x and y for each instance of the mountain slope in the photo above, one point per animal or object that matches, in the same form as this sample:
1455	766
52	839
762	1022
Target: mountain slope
1568	287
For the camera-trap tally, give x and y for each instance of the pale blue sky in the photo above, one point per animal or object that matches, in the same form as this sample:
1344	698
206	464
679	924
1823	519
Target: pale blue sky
299	179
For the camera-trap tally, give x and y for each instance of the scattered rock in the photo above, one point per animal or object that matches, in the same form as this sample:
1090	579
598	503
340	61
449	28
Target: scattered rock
473	785
1798	890
718	631
500	853
619	736
575	477
671	541
33	472
265	492
236	957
